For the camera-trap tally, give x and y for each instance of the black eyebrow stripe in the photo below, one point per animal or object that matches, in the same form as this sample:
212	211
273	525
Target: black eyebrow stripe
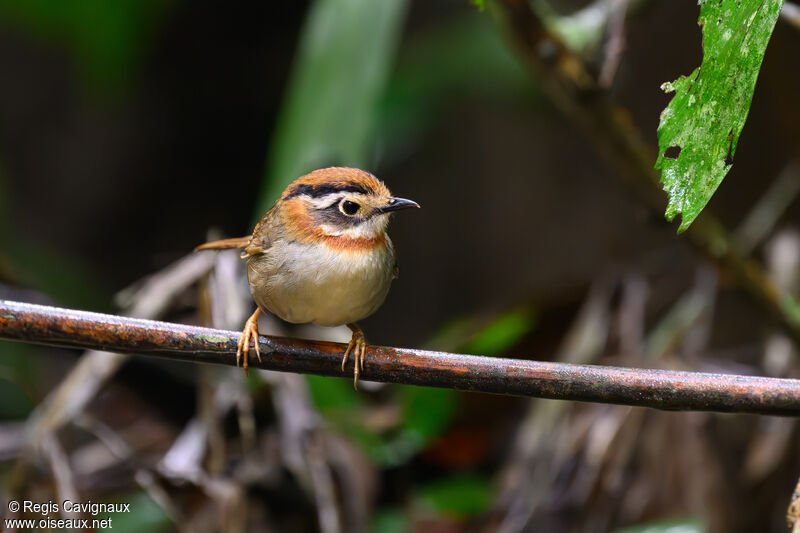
316	191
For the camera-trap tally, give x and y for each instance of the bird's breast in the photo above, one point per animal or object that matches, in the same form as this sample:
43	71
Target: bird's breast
322	284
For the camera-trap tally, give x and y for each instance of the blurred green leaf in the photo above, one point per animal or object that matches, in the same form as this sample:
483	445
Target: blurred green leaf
333	394
19	373
393	450
700	127
436	68
480	4
14	403
473	334
426	415
426	411
674	525
503	333
343	407
18	364
345	53
144	515
389	520
108	38
454	334
457	497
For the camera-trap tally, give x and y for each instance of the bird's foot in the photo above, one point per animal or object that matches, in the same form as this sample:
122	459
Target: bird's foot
250	332
358	345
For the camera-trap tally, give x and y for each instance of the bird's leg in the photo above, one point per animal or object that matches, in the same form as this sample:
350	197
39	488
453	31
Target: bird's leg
358	345
249	332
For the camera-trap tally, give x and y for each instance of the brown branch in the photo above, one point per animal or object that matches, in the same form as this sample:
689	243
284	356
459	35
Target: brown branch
659	389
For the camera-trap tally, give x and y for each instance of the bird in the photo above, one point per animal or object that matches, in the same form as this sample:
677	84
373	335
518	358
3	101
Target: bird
321	255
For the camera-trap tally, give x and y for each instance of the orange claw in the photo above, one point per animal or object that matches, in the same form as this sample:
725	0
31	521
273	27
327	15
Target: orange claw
250	332
357	345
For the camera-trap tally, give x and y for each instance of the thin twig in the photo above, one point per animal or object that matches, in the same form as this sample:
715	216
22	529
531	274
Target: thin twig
790	13
659	389
615	45
762	217
61	472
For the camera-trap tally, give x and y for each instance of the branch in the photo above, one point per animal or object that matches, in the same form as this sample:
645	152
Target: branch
659	389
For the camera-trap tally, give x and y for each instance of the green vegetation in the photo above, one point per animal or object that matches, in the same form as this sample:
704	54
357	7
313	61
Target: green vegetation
700	127
458	496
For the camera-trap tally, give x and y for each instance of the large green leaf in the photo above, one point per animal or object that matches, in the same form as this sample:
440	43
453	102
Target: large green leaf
346	50
700	127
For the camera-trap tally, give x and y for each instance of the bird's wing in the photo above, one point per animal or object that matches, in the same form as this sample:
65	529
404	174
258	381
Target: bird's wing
262	238
256	245
264	234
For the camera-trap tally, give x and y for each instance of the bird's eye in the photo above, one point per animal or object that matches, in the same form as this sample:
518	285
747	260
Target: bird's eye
349	208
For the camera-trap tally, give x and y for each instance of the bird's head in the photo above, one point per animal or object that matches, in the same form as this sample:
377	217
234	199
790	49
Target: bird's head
339	202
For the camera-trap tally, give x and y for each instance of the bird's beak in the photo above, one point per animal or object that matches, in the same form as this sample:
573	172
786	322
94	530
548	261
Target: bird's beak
396	204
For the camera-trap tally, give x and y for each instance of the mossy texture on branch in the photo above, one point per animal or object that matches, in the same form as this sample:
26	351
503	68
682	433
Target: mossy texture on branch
699	129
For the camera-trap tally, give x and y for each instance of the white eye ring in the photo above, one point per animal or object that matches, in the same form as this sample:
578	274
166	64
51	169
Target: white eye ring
349	208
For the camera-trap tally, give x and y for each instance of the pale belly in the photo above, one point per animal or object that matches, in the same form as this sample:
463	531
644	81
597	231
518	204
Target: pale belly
301	283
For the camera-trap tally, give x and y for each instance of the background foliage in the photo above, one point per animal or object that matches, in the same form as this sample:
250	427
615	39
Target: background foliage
129	129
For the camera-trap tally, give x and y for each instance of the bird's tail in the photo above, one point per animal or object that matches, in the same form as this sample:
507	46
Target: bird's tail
224	244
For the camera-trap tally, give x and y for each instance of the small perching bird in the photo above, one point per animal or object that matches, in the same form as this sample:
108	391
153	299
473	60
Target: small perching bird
321	255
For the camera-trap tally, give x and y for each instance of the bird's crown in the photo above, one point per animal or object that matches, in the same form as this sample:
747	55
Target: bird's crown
336	181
